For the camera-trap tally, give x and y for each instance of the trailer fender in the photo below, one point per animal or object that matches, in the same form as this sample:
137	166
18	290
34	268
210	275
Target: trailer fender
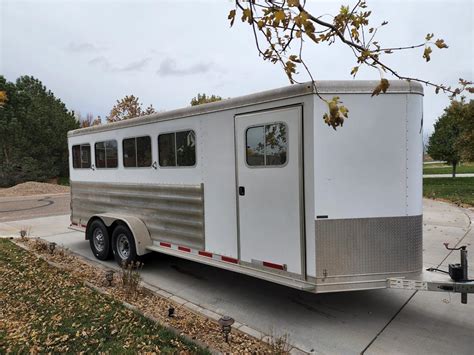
136	226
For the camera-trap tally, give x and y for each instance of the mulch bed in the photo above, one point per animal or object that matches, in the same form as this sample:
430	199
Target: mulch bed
188	323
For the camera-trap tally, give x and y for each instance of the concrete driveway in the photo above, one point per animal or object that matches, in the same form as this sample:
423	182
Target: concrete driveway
372	322
25	207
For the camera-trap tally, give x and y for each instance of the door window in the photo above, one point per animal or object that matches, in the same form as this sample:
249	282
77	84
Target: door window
267	145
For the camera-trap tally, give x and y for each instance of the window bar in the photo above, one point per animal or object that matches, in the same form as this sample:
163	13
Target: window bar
136	153
175	151
105	155
264	146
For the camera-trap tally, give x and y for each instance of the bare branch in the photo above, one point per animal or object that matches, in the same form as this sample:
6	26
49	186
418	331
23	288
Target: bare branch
282	22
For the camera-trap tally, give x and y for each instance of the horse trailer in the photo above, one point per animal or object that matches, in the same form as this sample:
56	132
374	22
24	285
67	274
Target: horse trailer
260	185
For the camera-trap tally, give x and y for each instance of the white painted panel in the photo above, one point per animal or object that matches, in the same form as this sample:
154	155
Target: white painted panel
215	167
414	155
359	171
360	168
308	152
180	175
218	164
270	210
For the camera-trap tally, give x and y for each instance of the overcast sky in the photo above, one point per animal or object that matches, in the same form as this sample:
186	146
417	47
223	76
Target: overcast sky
91	53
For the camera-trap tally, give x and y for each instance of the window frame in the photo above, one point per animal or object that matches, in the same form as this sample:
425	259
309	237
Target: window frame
136	152
265	159
80	155
175	150
105	158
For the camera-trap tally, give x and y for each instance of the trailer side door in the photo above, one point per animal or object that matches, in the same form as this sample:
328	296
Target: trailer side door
269	178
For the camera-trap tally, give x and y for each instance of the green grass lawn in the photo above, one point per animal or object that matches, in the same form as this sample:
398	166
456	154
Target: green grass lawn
46	310
465	168
458	190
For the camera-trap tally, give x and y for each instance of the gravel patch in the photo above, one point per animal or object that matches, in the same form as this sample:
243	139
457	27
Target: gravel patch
33	188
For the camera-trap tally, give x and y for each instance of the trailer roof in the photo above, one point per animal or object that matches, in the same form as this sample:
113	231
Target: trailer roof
323	87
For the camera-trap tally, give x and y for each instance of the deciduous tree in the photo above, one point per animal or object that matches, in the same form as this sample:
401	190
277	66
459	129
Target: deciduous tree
204	99
128	107
89	120
444	143
466	136
282	28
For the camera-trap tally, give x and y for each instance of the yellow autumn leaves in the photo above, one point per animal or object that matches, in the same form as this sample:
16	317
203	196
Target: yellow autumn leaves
3	98
337	113
438	43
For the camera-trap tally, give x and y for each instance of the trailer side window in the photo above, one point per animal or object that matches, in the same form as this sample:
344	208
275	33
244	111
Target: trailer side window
137	152
177	149
81	156
106	154
267	145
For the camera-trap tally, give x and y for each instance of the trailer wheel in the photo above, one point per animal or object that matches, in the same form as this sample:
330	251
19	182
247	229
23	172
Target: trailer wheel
99	240
123	245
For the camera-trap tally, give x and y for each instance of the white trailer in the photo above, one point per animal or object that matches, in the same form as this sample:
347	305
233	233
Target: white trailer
260	185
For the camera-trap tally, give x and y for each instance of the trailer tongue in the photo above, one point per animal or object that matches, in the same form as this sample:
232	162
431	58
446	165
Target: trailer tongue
456	279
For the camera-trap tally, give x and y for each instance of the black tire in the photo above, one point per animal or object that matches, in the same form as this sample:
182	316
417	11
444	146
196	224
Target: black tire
99	240
123	246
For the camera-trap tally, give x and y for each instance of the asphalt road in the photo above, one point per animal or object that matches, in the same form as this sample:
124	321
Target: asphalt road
26	207
372	322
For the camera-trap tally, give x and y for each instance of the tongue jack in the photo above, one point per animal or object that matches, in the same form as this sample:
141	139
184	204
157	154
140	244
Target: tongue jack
458	272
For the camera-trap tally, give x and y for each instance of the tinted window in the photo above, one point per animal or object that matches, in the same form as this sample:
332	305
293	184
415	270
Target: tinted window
111	154
100	155
267	145
177	149
275	144
255	146
185	148
143	151
137	152
166	149
81	156
76	156
106	154
129	153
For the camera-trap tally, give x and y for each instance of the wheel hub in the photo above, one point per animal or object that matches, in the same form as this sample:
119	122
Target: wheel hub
123	247
98	240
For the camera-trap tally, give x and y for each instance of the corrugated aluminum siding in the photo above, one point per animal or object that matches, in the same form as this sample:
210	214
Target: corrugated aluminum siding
172	213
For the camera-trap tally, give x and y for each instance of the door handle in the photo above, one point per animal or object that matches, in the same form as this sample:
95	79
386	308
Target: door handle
242	190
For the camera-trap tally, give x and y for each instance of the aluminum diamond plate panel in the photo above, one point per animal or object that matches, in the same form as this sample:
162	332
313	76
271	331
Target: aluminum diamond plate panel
360	246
